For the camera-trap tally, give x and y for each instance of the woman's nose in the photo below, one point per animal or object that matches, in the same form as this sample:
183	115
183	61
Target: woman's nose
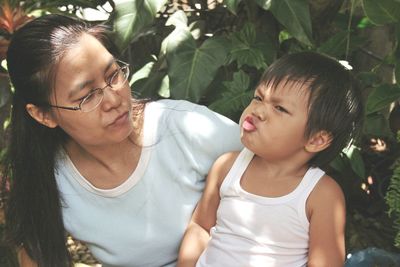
111	98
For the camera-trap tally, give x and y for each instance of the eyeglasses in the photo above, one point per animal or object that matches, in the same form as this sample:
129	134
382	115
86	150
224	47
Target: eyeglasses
95	96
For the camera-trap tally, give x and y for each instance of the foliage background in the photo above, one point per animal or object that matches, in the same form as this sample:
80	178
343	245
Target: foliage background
212	52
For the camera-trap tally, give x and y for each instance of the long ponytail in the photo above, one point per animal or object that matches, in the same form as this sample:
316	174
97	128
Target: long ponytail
33	214
34	207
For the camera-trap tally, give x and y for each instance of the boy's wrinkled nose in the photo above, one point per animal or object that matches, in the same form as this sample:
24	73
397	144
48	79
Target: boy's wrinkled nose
260	111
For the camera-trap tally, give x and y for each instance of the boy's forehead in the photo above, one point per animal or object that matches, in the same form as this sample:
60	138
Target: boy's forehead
285	86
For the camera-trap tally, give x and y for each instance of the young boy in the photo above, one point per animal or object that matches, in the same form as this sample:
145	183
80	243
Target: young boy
271	204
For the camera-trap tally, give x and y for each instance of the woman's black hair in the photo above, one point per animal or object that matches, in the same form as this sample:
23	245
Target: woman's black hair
33	213
335	102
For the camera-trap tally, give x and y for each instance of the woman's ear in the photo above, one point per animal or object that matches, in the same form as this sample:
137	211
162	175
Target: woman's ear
45	118
318	142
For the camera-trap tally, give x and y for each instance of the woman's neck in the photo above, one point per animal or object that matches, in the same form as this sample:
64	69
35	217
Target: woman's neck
110	165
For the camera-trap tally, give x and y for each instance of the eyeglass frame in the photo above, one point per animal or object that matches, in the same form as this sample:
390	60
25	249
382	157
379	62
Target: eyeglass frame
96	90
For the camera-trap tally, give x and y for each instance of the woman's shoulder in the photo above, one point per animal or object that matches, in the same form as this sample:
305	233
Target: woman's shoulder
177	105
182	113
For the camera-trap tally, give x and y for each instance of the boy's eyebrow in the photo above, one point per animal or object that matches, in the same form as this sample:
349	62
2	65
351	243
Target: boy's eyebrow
276	99
259	91
83	84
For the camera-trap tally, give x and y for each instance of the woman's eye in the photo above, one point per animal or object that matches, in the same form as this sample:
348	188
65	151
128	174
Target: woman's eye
113	78
257	98
89	97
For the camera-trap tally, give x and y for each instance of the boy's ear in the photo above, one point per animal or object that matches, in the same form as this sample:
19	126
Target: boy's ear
318	142
45	118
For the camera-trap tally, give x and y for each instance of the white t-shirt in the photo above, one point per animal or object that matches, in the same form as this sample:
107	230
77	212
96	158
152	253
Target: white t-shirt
256	231
141	222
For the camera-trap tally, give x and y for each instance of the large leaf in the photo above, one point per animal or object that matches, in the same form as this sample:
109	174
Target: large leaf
356	161
232	5
377	125
249	49
179	20
150	81
236	95
4	89
381	97
336	46
132	16
294	15
368	79
152	86
339	163
382	11
191	69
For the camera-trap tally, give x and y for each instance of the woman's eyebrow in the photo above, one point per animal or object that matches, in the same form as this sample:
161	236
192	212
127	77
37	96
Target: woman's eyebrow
83	84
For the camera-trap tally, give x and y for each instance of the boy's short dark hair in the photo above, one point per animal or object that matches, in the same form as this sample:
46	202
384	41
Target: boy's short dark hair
335	102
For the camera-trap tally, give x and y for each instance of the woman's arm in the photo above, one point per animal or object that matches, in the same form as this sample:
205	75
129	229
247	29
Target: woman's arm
204	217
327	215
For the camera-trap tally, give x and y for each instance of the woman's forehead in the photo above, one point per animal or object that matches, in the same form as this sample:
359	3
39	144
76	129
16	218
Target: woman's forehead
84	62
86	48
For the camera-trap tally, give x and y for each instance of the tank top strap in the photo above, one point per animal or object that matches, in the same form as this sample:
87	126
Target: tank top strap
310	179
235	173
308	183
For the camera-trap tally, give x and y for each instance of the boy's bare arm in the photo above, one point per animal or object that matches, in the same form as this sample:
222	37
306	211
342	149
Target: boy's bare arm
326	206
204	217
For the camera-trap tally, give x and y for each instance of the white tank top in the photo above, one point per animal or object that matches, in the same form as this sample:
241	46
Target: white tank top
252	230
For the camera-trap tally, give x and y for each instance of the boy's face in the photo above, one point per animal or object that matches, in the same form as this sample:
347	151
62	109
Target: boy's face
273	124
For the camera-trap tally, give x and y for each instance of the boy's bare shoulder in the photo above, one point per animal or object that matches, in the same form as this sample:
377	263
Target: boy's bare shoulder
326	192
224	163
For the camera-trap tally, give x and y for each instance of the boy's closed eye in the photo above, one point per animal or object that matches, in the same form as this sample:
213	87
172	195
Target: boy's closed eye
257	98
281	109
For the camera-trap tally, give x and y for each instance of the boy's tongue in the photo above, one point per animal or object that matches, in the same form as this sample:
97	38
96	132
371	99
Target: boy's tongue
248	125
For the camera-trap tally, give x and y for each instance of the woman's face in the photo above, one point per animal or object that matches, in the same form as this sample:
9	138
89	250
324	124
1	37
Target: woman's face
84	67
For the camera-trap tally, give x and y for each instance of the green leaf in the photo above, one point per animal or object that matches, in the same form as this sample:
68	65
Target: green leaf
265	4
4	90
191	69
142	73
236	95
232	5
393	194
377	125
149	81
294	15
132	16
381	97
336	45
179	20
368	79
248	49
339	163
397	71
151	86
357	164
382	11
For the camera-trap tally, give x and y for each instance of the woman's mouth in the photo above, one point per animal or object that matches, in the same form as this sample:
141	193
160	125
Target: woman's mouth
120	119
248	124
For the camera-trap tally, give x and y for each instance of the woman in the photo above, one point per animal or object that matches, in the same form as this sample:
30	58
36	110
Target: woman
85	158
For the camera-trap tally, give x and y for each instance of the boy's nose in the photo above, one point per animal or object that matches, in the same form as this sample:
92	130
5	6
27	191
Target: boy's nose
260	112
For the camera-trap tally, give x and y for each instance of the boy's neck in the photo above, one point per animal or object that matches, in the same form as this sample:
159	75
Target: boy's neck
276	169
